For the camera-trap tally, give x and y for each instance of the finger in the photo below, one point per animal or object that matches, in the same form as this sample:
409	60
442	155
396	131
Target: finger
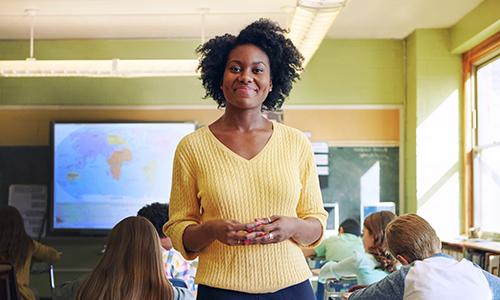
254	235
237	235
269	238
274	218
262	221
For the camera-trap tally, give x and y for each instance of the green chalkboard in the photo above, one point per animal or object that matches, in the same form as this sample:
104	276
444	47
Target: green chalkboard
356	172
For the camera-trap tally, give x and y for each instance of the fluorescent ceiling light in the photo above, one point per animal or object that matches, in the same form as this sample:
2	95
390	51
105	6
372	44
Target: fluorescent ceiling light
95	68
311	22
99	68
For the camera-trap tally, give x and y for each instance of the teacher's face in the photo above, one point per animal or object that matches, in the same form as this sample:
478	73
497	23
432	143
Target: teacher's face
247	77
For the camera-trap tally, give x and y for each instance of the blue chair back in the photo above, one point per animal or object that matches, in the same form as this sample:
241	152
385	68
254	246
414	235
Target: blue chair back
178	282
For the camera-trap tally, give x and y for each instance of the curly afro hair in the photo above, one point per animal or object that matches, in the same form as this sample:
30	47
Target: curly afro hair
285	59
156	213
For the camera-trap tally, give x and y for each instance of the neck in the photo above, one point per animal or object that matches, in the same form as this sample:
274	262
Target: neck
243	120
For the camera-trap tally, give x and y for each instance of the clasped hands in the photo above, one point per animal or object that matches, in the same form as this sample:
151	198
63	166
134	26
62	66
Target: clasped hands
267	230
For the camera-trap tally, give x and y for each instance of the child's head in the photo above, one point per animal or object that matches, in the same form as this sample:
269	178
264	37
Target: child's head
350	226
374	241
411	238
374	229
157	214
131	267
15	243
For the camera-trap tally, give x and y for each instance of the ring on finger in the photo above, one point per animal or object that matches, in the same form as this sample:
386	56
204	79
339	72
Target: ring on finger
271	235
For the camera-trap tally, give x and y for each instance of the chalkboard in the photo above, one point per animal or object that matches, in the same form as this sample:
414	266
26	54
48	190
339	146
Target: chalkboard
23	165
349	166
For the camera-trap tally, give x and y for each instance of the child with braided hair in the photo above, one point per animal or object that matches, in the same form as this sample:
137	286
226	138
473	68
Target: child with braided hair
372	265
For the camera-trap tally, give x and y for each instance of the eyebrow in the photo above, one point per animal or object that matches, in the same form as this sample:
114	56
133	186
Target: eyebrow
254	63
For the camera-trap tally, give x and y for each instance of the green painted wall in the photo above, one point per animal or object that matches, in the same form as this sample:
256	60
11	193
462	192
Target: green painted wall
481	23
342	72
353	72
432	136
411	125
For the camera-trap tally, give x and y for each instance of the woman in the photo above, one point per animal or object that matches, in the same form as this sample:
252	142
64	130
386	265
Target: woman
131	268
372	265
17	248
245	192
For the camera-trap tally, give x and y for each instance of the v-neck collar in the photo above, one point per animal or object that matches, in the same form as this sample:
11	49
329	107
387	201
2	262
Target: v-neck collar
236	155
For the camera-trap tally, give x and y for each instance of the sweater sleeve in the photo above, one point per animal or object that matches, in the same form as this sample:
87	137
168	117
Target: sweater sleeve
310	203
45	253
184	205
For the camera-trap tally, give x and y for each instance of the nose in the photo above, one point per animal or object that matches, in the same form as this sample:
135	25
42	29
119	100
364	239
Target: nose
246	76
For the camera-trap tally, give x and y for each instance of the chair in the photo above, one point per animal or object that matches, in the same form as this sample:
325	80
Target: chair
8	282
178	282
45	268
335	288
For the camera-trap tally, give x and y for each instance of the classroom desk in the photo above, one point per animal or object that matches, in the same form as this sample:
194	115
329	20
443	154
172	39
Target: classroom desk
474	244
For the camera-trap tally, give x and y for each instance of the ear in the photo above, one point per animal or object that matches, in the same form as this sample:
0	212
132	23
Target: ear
270	86
404	260
341	230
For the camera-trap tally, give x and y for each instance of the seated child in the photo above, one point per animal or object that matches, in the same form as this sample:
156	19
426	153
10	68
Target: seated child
427	273
341	246
17	248
372	265
175	265
131	267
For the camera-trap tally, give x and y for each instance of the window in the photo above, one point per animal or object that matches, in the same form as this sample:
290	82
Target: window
486	147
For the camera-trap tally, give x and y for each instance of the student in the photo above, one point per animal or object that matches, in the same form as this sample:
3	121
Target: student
341	246
427	273
337	248
372	265
131	267
175	265
17	248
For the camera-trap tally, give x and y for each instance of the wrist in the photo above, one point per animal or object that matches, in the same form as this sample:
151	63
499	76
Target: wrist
296	230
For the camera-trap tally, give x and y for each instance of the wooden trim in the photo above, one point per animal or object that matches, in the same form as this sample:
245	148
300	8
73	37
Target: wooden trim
469	60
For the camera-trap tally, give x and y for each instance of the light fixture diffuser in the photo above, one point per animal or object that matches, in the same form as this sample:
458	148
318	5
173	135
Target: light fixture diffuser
311	22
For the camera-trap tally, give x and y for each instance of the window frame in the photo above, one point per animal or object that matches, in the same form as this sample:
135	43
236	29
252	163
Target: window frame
472	60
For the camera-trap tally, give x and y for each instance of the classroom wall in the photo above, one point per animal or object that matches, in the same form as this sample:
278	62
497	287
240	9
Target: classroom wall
341	72
433	116
479	24
353	72
433	130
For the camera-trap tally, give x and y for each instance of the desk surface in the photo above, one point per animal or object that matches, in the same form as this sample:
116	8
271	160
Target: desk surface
478	244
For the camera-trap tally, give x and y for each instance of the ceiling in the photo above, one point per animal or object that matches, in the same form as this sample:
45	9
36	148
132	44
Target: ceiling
80	19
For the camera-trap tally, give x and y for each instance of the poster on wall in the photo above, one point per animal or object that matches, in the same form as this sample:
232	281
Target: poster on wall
31	201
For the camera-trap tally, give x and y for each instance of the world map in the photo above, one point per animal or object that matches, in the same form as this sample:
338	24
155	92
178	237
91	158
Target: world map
103	172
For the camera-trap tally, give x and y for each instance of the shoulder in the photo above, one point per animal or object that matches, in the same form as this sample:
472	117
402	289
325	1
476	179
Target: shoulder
391	287
194	137
290	132
494	283
293	138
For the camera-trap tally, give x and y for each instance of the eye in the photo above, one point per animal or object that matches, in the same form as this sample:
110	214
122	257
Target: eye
234	69
258	70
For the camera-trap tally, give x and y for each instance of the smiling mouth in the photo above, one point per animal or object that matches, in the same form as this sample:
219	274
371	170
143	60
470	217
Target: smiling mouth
245	90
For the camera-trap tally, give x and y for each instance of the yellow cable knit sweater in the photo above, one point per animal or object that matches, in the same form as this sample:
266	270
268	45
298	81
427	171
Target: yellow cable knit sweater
212	182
